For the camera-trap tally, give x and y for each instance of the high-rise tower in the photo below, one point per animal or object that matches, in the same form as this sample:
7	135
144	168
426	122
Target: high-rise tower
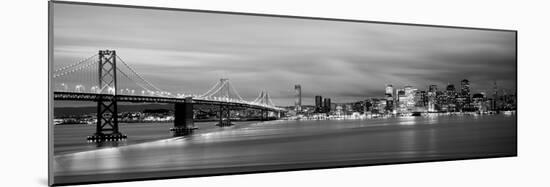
298	95
318	104
326	105
465	88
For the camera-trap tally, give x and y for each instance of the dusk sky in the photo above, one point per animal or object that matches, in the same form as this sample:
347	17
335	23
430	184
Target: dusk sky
189	52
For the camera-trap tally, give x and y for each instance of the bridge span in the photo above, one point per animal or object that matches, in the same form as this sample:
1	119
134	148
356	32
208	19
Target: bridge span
107	92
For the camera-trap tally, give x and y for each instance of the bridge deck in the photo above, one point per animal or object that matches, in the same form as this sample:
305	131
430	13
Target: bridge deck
74	96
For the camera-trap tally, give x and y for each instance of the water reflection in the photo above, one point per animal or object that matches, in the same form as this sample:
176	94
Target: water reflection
280	142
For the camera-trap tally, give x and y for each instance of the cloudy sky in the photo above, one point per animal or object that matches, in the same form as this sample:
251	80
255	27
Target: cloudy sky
189	51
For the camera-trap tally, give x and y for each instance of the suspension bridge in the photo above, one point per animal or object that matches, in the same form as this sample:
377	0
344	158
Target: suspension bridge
106	79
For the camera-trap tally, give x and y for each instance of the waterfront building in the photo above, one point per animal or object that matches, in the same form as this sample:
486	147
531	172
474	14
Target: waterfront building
389	90
327	105
390	98
401	101
318	104
409	98
451	95
298	101
464	100
432	98
367	107
420	100
465	87
359	106
479	102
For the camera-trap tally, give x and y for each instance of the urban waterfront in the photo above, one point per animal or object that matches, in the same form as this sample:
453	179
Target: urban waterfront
286	144
192	95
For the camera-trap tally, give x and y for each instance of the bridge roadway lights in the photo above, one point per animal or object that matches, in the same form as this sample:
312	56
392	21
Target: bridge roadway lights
106	138
183	118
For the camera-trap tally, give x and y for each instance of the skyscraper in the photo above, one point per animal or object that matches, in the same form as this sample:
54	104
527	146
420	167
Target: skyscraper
409	97
432	98
450	97
318	104
389	98
298	101
465	88
494	103
451	89
326	104
432	88
389	90
465	95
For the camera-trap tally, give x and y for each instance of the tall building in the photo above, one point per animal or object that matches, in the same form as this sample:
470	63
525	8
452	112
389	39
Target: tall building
494	103
401	106
465	87
298	95
409	97
421	100
450	97
389	90
368	105
318	104
389	105
464	98
432	88
479	102
327	105
432	98
451	88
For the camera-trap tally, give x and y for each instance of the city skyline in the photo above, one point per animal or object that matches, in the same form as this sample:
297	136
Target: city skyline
346	61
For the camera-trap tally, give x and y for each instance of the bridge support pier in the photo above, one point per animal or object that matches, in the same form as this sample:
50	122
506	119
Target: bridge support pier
107	122
225	111
183	118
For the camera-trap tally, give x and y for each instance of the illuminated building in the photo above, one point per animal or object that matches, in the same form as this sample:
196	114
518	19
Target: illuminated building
349	108
465	88
432	98
298	101
327	105
318	104
378	105
494	102
338	110
368	106
409	98
463	100
389	90
420	100
390	99
451	95
479	102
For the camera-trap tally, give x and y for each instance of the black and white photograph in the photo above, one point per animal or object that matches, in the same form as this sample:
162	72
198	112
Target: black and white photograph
154	93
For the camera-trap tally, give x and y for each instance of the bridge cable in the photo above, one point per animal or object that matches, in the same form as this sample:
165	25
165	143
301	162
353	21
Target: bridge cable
75	64
139	76
211	89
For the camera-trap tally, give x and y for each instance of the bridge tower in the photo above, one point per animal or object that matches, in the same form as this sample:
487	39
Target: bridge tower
183	118
264	99
107	115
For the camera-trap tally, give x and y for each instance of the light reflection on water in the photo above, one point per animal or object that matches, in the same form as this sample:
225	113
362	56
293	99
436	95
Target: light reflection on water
280	142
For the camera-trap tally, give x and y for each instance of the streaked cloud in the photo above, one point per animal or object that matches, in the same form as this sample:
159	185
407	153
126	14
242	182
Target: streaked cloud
189	51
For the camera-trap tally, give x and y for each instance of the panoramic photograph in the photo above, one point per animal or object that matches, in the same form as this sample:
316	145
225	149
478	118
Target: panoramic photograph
143	93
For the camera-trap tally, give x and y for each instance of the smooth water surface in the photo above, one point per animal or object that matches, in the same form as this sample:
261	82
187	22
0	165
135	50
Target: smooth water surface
280	145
